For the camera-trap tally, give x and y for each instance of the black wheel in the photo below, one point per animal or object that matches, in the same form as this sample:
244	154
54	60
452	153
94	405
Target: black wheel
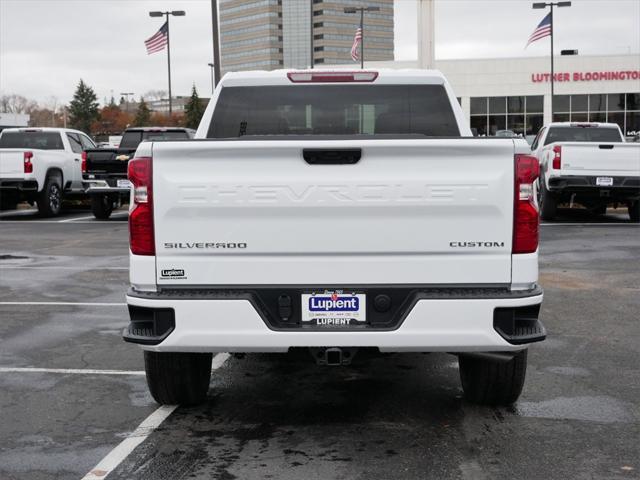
634	211
178	378
101	206
50	198
548	203
493	382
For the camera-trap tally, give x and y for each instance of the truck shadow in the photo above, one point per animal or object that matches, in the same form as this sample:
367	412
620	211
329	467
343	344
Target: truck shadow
581	215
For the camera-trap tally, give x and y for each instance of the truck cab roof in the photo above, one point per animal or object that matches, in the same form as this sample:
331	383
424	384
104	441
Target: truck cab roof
378	76
159	129
583	124
42	129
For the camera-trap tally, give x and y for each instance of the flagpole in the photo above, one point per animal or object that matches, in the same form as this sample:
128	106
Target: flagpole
169	63
551	24
542	5
177	13
362	39
361	10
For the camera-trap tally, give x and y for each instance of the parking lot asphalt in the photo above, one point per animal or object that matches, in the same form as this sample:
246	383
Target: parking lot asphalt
71	390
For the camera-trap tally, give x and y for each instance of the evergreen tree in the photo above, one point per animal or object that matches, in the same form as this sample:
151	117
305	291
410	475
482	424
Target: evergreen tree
83	109
143	114
193	110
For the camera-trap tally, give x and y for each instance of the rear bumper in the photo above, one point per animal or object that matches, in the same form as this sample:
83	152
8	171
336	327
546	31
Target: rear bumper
437	320
96	186
623	187
18	185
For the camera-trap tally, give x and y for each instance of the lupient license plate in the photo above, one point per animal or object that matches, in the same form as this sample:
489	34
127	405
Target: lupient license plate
334	308
604	181
124	184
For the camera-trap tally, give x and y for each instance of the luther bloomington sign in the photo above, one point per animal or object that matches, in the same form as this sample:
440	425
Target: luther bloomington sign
586	76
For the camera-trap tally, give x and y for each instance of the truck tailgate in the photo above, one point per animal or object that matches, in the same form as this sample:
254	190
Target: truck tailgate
255	213
618	159
107	161
11	163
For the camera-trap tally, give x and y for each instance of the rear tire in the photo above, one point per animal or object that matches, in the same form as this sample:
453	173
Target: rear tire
634	211
50	198
548	203
101	206
493	382
178	378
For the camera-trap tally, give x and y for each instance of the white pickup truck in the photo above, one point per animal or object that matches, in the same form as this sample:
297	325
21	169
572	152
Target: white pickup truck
334	211
587	163
41	165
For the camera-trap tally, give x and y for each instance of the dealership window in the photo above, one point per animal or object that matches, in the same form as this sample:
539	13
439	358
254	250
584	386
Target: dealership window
522	114
620	108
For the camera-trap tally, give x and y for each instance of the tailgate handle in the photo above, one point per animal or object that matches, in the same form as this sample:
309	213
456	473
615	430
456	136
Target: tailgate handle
332	156
606	147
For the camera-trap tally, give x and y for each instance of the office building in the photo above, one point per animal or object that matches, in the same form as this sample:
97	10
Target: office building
271	34
514	93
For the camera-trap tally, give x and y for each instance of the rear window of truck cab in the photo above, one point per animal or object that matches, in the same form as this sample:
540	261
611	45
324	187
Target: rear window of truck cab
583	134
36	140
369	110
134	138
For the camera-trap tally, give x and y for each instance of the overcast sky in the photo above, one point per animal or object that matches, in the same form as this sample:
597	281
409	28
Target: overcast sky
47	45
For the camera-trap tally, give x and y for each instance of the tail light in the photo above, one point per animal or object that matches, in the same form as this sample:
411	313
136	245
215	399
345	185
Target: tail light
84	162
557	157
28	166
141	236
332	77
525	213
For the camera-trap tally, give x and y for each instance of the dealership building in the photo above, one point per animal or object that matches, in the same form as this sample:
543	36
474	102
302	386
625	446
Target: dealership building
515	94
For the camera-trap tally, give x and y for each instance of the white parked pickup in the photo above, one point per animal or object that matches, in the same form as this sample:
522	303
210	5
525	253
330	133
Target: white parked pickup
587	163
334	210
41	165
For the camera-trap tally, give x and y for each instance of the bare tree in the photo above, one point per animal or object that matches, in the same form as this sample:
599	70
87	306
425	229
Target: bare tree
16	104
152	95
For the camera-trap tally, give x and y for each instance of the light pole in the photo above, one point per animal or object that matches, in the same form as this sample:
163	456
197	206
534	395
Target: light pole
216	41
126	95
212	81
540	5
175	13
361	10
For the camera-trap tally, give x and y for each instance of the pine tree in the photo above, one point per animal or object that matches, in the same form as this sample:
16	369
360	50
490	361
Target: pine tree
143	115
83	109
193	110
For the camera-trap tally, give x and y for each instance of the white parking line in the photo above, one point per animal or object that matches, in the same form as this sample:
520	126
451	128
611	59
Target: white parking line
114	458
10	213
128	445
81	304
78	371
67	220
77	219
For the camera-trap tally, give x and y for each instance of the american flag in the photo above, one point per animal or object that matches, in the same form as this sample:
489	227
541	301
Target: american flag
158	41
542	30
357	40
